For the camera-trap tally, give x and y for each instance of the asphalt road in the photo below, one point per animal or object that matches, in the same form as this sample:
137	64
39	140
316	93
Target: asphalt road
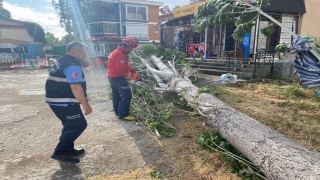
29	132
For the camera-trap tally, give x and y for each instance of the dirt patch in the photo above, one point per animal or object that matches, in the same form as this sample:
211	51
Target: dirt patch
181	158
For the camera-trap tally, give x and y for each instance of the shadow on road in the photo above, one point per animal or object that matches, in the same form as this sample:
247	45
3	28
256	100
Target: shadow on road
67	171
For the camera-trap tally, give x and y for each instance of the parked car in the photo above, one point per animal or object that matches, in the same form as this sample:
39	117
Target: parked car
10	51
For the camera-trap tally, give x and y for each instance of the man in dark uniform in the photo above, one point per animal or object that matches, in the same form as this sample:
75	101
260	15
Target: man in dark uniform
65	91
119	71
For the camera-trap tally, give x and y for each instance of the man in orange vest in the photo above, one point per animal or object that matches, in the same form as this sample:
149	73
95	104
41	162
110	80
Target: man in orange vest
119	71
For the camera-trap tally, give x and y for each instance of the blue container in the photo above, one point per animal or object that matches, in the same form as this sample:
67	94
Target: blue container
246	45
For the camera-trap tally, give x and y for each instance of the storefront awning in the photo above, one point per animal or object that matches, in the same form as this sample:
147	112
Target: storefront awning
187	10
183	15
180	21
284	6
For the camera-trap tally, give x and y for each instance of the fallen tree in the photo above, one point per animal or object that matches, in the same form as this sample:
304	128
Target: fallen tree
277	156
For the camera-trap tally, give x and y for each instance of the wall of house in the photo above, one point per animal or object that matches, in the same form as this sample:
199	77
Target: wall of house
135	29
14	41
18	34
35	50
153	18
262	40
310	23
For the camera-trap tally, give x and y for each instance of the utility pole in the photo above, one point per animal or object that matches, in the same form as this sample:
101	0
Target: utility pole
120	19
256	36
205	43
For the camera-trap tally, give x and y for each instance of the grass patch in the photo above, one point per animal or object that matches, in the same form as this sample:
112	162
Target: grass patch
287	108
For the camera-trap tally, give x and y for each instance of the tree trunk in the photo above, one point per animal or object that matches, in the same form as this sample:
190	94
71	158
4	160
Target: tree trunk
277	156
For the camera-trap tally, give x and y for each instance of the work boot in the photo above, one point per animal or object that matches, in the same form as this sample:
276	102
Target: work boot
77	153
65	158
128	118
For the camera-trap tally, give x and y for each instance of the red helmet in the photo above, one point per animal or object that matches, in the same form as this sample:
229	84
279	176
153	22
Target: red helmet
130	42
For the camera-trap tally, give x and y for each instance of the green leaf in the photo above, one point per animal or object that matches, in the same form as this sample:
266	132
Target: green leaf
268	30
282	48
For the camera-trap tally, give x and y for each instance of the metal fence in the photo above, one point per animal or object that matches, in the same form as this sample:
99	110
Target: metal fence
264	62
264	59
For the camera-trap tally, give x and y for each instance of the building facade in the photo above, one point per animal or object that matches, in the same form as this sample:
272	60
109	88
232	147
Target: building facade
126	18
13	29
310	23
166	32
123	18
218	40
14	32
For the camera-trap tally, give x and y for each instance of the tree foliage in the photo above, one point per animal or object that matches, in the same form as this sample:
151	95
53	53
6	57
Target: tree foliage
4	14
36	32
74	15
237	163
216	12
268	30
154	109
67	39
312	39
51	39
282	48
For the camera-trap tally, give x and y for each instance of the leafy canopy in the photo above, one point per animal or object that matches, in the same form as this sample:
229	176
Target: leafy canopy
75	14
282	48
36	32
154	109
312	39
268	30
67	39
51	39
4	14
216	12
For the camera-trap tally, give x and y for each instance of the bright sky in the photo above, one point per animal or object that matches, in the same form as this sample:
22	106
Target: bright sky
38	11
42	12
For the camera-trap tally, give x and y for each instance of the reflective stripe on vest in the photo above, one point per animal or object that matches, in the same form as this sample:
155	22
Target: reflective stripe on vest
62	100
57	79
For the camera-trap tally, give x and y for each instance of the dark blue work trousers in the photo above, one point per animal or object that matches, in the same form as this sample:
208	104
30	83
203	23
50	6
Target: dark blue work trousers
121	96
74	124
